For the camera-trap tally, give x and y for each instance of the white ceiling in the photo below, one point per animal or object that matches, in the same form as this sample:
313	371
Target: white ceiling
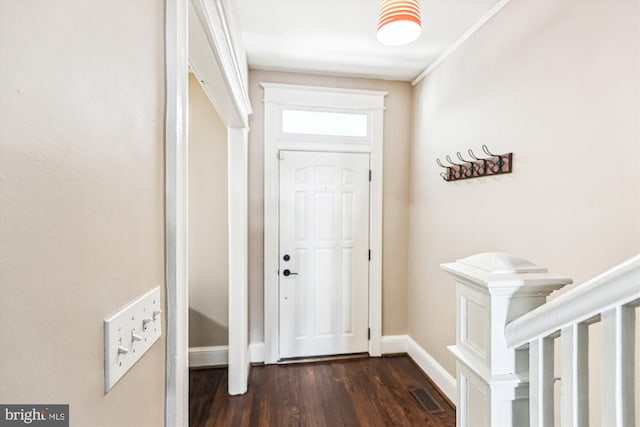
339	36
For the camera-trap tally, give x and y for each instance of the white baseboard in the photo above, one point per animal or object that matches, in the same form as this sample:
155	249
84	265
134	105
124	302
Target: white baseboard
219	355
394	344
256	352
405	344
208	356
440	376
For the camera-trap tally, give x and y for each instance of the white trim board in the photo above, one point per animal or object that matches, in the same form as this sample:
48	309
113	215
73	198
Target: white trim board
219	355
394	344
446	382
440	376
208	356
238	195
176	175
256	352
277	97
216	56
463	38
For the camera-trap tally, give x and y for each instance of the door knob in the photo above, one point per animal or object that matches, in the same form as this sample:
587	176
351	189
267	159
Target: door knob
288	273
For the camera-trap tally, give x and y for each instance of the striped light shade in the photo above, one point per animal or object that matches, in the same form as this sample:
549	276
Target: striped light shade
398	22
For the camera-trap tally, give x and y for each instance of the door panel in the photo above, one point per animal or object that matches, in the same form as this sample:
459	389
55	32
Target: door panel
324	228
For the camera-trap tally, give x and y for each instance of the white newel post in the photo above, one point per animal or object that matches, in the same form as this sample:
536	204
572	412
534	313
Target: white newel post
493	289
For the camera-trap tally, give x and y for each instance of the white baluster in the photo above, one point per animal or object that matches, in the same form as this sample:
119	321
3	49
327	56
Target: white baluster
575	375
618	287
618	330
541	382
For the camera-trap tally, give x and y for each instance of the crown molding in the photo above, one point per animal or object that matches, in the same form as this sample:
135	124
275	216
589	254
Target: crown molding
466	36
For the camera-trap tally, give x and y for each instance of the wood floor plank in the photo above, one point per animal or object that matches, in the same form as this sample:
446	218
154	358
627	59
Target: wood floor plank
367	392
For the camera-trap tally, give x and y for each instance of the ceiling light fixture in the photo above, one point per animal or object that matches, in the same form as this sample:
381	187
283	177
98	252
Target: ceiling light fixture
398	22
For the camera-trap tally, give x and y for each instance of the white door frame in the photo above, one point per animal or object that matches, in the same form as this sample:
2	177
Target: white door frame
276	98
218	60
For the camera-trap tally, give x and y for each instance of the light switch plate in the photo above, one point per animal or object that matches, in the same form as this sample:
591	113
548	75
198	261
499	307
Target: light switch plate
129	333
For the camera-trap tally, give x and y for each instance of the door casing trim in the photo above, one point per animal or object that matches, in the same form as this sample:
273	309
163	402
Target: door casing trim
215	63
277	97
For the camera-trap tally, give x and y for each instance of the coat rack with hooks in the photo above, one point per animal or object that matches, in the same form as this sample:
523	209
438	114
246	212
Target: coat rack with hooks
494	164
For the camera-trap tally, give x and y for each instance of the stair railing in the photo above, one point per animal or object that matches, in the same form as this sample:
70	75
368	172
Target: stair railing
505	342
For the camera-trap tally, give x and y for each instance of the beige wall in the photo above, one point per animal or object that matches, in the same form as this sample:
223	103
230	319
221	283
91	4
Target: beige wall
81	191
208	222
557	84
395	187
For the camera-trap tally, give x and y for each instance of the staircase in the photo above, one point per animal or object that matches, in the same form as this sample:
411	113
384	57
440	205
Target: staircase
505	339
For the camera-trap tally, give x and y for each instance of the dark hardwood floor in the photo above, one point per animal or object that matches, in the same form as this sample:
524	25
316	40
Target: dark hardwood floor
355	392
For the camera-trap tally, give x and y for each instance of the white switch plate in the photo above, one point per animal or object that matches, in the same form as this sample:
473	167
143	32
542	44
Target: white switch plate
129	333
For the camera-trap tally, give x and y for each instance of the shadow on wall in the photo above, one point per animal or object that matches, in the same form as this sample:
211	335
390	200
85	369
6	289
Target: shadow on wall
206	332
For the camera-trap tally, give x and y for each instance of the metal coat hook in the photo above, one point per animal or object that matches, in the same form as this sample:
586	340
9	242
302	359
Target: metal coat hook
445	175
450	161
486	150
494	164
456	170
467	167
480	169
472	155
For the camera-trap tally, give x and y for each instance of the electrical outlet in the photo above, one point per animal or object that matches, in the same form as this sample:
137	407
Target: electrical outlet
129	333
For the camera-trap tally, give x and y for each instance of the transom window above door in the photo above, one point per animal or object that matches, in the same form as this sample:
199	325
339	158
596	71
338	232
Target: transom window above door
324	123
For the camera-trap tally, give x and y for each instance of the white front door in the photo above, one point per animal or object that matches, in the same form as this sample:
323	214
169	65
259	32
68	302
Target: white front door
324	253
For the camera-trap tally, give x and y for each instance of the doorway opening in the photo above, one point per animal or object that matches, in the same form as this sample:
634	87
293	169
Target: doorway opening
208	231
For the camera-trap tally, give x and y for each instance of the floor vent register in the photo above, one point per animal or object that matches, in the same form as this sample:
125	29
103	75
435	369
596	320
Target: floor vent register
426	400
